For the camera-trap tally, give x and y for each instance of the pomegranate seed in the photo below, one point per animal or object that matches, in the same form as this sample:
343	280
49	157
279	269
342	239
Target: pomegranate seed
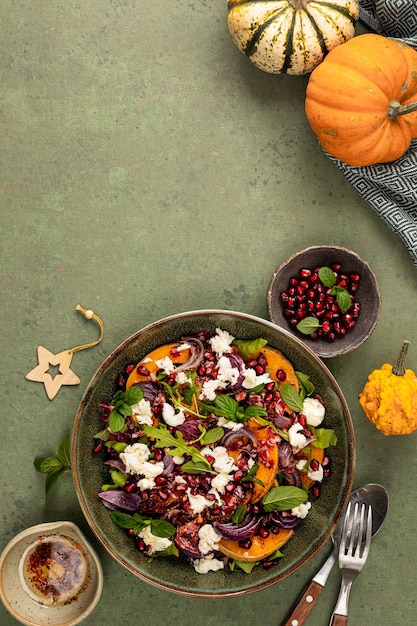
316	490
160	480
129	487
259	369
143	371
140	544
302	420
284	296
246	544
164	495
121	381
314	464
98	447
210	459
305	273
293	282
263	532
281	375
129	369
268	564
270	386
336	267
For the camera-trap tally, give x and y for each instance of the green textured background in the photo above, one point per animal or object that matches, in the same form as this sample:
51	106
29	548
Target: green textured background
147	168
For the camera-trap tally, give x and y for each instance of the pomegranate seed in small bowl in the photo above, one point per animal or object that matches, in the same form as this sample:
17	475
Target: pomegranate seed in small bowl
336	303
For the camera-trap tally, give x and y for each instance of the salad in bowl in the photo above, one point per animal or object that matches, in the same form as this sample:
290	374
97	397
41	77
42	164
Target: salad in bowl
216	451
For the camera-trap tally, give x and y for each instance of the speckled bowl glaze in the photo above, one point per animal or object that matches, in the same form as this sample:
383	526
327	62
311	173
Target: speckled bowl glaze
368	295
173	574
19	603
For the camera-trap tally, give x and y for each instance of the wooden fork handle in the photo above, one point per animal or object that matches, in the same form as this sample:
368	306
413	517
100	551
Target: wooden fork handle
304	605
339	620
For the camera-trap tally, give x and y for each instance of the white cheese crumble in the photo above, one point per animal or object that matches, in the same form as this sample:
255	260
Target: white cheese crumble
135	458
314	411
209	389
198	502
221	342
316	475
172	417
223	462
182	379
209	539
142	412
253	380
302	510
227	373
224	423
165	364
207	564
297	440
156	544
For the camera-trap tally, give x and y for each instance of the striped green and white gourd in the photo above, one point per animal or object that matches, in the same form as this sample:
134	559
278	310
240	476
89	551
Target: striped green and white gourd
290	36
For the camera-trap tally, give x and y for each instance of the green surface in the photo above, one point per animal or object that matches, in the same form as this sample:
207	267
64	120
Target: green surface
147	168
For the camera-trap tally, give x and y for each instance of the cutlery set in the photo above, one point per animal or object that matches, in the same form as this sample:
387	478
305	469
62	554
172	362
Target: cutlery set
364	516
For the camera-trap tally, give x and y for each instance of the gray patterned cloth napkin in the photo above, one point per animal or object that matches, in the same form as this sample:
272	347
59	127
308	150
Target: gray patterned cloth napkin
391	188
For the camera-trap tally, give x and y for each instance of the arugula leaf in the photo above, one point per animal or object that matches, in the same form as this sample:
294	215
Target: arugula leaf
283	498
176	445
248	347
291	397
54	467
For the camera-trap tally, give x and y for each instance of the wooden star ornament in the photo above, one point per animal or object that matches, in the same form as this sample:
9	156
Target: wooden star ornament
62	361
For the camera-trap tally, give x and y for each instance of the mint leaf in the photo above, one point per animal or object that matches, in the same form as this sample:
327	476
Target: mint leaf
291	397
284	498
254	411
327	277
133	395
52	478
54	466
64	451
239	514
308	325
306	386
248	347
344	300
212	435
161	528
116	421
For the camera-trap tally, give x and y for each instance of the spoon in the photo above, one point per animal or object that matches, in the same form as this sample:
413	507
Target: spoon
375	496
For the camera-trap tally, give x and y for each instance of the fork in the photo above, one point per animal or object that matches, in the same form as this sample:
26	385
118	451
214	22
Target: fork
353	552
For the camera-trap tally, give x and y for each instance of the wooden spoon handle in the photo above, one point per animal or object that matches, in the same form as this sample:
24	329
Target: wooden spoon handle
304	605
339	620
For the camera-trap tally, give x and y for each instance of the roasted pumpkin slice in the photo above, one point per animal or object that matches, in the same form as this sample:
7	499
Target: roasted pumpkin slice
318	454
278	363
149	361
267	463
260	549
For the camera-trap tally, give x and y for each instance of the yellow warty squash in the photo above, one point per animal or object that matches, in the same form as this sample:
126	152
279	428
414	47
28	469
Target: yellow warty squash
389	398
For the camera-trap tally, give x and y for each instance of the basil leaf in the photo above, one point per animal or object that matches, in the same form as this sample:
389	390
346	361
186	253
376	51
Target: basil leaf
284	498
116	421
291	397
325	437
248	347
51	479
161	528
212	435
64	451
133	395
327	277
228	407
239	514
308	325
305	383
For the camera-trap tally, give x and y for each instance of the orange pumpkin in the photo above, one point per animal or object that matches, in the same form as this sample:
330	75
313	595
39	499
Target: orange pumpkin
361	101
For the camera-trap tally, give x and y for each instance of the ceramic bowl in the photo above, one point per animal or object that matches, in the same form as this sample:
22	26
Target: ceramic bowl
24	601
368	295
89	473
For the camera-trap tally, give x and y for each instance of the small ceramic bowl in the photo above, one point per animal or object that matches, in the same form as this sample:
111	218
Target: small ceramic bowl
72	587
368	295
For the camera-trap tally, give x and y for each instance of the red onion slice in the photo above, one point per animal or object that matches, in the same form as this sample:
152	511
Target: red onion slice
196	356
234	435
238	532
121	500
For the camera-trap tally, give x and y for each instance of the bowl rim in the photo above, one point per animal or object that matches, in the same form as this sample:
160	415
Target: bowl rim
332	350
349	477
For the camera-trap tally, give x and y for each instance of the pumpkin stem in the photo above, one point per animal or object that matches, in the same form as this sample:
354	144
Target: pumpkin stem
395	109
399	369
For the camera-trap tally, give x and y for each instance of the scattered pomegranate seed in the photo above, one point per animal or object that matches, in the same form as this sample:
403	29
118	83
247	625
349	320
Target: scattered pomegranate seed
142	370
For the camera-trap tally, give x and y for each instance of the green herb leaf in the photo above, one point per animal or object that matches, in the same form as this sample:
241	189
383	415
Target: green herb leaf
176	445
344	300
283	498
248	347
239	514
116	421
102	434
306	386
250	476
246	567
254	411
325	437
291	397
308	325
133	395
212	435
161	528
327	277
196	467
53	466
228	407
